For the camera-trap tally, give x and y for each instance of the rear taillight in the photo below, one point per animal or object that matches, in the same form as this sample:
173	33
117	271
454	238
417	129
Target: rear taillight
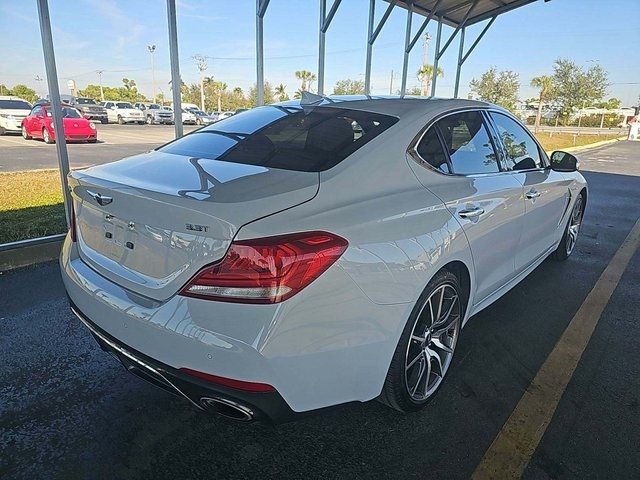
267	270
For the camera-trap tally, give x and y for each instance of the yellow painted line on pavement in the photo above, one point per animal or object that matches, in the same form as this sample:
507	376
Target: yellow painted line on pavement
513	447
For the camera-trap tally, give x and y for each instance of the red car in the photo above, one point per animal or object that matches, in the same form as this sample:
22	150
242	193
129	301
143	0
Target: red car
39	124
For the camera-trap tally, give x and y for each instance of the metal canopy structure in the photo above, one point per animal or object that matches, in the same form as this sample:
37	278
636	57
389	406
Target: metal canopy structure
457	14
454	13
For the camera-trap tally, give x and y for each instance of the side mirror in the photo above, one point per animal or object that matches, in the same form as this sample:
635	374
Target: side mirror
564	162
87	117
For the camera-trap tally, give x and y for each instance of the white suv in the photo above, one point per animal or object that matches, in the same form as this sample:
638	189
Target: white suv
123	112
12	111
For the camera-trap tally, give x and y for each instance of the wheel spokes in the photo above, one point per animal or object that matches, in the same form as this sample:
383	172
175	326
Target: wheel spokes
432	342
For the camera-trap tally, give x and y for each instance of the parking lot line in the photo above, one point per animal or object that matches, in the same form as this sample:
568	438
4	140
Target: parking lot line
512	448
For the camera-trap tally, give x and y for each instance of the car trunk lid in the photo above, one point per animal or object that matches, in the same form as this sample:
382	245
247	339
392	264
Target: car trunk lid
150	222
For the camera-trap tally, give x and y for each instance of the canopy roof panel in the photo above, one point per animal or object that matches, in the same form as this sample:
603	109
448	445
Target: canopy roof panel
453	12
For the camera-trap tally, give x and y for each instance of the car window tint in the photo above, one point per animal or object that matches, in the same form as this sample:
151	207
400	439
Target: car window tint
292	138
431	151
521	150
467	140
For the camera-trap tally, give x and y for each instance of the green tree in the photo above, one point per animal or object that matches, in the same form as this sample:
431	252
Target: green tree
414	91
269	95
496	87
24	92
544	83
425	75
348	87
281	92
307	79
611	104
575	87
92	91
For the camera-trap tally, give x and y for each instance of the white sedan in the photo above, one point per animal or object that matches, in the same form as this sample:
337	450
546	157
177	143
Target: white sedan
302	255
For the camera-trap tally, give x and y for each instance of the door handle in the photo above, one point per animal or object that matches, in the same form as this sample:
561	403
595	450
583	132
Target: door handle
471	212
533	193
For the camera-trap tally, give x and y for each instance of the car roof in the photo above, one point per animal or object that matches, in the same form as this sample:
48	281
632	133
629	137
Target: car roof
12	97
394	104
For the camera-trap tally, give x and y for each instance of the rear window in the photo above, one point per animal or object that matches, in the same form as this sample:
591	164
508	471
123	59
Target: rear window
14	105
310	139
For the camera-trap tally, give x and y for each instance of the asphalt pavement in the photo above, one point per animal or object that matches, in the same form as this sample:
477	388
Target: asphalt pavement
70	411
114	142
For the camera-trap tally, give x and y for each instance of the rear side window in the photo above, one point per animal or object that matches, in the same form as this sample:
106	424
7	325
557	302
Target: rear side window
467	142
431	151
14	104
292	138
521	151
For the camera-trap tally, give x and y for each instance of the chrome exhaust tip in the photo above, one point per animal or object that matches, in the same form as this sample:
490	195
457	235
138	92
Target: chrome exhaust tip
227	408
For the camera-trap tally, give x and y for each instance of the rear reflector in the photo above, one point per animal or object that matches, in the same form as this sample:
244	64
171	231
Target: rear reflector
230	382
267	270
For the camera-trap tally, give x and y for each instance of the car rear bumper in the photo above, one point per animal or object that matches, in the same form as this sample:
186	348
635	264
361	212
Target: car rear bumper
226	401
313	356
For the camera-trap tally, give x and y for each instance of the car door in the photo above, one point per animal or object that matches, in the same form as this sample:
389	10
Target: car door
486	201
36	121
546	191
111	116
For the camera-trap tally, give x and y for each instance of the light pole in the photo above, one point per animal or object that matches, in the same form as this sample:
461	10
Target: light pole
99	72
201	63
152	49
38	79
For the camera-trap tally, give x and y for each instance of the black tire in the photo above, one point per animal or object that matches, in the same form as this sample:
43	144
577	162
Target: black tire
140	123
120	120
46	137
149	120
104	121
2	131
198	122
93	140
25	135
395	392
567	244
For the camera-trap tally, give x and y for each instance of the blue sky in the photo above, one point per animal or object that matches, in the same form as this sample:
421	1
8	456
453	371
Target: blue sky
112	35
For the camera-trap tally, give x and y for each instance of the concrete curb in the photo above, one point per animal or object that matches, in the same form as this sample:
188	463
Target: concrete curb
591	145
30	252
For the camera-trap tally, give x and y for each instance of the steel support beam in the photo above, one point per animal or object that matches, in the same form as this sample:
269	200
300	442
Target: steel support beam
436	58
261	9
325	21
54	99
459	66
474	44
462	57
407	41
371	38
424	25
462	24
176	82
367	66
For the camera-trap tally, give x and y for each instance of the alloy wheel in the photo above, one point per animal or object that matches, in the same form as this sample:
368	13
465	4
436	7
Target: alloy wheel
574	225
432	342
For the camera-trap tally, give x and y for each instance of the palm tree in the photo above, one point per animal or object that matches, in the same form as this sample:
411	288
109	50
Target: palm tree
307	79
282	93
425	75
545	84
